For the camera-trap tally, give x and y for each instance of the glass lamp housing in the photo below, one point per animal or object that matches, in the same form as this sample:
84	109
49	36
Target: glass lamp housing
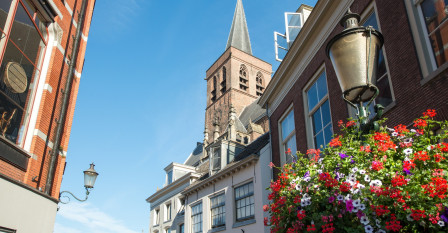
90	176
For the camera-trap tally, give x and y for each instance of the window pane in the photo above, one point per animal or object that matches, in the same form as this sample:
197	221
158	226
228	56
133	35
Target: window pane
328	134
288	125
312	97
326	115
294	19
317	121
381	65
371	21
385	96
319	140
321	86
435	14
4	9
291	144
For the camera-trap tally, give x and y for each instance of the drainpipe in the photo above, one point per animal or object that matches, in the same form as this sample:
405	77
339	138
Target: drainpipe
270	136
65	99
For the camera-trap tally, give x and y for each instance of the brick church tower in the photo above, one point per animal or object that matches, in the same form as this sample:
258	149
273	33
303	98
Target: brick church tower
236	79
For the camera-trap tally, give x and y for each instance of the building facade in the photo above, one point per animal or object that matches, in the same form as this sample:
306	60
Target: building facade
39	48
303	99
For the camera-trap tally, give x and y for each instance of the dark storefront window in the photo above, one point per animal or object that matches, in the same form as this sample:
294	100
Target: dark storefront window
20	65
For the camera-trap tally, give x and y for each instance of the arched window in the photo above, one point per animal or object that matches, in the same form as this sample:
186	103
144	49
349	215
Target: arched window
224	80
244	81
213	94
260	83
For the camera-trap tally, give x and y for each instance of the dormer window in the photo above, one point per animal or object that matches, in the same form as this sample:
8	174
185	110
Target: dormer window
224	80
216	159
260	84
244	81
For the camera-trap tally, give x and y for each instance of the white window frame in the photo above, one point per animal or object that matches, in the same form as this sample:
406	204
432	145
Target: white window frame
277	45
308	114
202	216
422	44
221	193
288	37
167	214
235	187
156	217
282	142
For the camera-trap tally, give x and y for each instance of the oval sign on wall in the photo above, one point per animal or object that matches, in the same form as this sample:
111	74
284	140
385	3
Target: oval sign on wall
15	77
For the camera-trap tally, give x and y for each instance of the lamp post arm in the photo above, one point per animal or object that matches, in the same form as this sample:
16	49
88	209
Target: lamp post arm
81	200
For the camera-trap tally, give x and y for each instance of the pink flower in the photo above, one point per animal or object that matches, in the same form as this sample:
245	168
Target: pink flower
331	199
271	165
349	205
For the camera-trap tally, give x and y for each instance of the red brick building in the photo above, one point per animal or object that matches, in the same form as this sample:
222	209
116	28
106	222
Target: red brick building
304	99
41	57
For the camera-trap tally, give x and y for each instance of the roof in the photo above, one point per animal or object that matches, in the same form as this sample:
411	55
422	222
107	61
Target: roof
239	34
195	156
254	147
252	112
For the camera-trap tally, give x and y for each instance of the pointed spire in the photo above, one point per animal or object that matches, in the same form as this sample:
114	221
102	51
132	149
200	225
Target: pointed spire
239	34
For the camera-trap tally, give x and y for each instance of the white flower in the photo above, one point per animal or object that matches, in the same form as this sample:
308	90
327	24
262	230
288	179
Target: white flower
413	131
441	223
364	220
355	191
429	147
348	197
356	202
368	229
352	180
376	183
298	187
307	179
361	186
362	172
362	207
340	197
355	209
409	218
355	169
394	134
367	178
320	160
319	171
378	222
408	151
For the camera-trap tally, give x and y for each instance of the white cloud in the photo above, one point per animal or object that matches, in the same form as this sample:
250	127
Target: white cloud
88	218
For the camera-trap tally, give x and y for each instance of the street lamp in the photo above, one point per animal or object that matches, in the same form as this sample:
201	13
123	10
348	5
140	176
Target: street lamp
354	54
89	181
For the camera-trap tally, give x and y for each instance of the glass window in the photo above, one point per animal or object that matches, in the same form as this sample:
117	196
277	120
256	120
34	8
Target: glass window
218	210
435	17
168	212
319	112
156	217
169	177
382	82
244	202
181	228
288	136
196	218
293	26
26	43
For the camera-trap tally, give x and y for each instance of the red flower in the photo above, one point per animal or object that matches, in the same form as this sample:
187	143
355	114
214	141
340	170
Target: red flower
344	187
377	165
301	214
313	152
335	142
266	221
430	113
311	227
398	181
288	151
340	123
438	158
401	129
350	124
407	165
380	210
421	155
365	148
418	214
437	187
420	123
384	142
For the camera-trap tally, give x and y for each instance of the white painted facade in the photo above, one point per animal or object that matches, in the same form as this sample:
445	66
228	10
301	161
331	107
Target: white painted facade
253	169
167	208
37	212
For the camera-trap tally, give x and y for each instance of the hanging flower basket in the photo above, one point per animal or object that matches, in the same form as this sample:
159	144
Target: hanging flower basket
393	180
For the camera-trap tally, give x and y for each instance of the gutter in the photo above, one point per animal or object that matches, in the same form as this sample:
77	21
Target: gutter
66	95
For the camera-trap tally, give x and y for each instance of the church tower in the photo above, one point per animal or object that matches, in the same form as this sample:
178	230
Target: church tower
235	80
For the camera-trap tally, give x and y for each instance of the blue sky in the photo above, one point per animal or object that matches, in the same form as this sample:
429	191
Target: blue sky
142	97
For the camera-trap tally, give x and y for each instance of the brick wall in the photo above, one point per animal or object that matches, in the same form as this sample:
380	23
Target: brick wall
411	97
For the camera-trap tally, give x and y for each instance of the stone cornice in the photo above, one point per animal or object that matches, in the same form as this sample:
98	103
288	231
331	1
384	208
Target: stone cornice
177	183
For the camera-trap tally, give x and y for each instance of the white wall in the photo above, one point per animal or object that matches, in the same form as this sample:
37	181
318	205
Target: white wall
259	173
24	210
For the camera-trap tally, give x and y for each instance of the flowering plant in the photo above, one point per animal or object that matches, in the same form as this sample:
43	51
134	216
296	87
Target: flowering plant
394	180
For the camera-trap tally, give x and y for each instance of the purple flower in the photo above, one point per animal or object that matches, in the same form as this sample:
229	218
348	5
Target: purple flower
444	216
331	199
408	172
349	205
352	161
307	174
343	156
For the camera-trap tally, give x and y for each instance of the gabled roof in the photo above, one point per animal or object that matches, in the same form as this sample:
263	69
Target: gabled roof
239	34
254	147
